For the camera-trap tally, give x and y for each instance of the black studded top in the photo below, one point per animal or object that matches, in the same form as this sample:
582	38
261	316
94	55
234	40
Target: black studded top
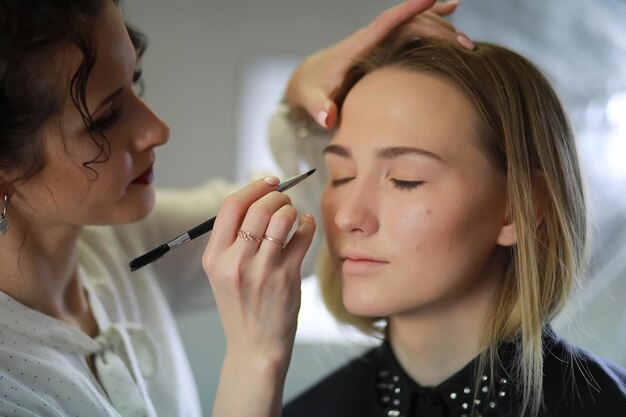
576	384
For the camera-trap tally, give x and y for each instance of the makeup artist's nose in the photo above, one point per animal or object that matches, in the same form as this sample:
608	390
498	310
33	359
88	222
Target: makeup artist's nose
151	131
356	213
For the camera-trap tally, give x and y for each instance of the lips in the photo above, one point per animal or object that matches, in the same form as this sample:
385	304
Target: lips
145	178
360	263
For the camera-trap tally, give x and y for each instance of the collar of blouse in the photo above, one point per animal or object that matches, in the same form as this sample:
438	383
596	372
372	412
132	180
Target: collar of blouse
465	394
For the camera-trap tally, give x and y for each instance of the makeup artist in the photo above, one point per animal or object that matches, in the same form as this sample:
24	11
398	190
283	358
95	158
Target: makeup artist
79	334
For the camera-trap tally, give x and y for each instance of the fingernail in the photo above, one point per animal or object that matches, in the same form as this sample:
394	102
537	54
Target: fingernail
271	181
304	221
321	118
465	42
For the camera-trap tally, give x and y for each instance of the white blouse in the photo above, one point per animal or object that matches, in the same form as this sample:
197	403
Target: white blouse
141	365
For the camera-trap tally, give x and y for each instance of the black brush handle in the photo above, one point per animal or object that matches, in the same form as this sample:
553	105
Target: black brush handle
202	228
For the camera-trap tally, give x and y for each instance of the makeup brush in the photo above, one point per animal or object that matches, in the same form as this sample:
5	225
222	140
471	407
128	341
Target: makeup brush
199	230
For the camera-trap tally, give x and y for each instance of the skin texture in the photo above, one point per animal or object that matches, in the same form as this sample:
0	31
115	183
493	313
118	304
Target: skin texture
415	214
256	284
49	209
65	194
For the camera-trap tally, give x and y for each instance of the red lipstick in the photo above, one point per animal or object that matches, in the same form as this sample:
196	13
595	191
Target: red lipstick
145	178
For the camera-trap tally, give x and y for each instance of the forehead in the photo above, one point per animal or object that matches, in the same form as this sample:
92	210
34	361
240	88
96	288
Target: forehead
115	54
111	36
402	107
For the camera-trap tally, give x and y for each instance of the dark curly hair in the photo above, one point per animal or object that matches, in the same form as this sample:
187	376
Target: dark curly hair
32	33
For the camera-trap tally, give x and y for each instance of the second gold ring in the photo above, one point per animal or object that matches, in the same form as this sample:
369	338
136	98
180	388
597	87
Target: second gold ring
282	243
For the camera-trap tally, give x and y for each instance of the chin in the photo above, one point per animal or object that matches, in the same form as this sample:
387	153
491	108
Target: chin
142	212
366	306
137	210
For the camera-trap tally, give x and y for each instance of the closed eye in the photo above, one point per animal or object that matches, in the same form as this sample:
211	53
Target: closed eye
107	122
340	181
406	185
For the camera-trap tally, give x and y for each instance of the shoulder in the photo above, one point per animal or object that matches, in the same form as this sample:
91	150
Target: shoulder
349	390
577	382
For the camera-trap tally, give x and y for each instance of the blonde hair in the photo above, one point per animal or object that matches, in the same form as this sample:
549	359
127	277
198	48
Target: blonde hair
529	139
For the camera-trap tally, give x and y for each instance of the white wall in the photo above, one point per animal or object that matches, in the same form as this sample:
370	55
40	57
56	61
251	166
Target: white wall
200	51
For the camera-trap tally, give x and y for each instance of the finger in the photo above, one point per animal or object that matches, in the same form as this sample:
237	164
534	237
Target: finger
383	24
300	241
331	120
275	237
459	37
433	29
445	9
438	20
234	209
320	107
257	220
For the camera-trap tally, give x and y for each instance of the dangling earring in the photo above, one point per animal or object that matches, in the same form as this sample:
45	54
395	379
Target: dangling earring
4	224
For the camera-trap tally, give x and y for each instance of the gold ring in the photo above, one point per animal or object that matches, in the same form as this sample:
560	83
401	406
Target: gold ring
282	243
245	235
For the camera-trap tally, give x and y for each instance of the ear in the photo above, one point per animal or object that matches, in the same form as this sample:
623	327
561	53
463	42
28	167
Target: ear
508	233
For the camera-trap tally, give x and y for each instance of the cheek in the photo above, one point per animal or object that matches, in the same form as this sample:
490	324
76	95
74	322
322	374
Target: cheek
328	207
408	225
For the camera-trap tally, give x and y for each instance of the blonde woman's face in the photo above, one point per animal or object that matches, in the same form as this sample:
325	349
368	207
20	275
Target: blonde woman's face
413	211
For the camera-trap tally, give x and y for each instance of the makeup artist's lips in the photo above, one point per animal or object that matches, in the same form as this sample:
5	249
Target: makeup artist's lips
145	178
358	264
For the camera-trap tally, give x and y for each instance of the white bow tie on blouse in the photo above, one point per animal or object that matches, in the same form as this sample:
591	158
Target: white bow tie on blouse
124	385
124	353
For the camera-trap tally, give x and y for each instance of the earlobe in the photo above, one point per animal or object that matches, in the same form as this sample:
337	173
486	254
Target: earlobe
508	233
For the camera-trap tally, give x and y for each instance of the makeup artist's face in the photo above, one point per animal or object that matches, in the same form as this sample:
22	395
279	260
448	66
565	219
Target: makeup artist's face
413	209
65	191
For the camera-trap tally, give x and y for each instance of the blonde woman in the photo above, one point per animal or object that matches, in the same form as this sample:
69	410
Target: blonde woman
456	228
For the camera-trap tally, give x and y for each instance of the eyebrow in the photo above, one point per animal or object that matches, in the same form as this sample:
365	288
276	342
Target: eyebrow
388	152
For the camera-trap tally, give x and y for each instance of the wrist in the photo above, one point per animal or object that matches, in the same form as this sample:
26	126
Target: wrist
301	122
271	367
261	376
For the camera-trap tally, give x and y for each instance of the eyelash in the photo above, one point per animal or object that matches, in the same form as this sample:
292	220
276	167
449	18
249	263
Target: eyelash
399	184
341	181
137	76
107	122
406	185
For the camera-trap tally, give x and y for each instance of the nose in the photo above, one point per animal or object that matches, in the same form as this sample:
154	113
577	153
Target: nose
356	210
151	131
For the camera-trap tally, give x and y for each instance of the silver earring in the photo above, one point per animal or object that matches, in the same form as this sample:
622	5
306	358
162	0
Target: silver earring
4	224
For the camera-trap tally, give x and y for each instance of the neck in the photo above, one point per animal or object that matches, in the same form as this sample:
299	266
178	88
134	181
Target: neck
433	344
40	270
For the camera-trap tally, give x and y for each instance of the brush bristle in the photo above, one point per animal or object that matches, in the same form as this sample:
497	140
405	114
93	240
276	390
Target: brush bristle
148	258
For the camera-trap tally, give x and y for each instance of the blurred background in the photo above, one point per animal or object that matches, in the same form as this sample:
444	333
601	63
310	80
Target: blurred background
215	70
